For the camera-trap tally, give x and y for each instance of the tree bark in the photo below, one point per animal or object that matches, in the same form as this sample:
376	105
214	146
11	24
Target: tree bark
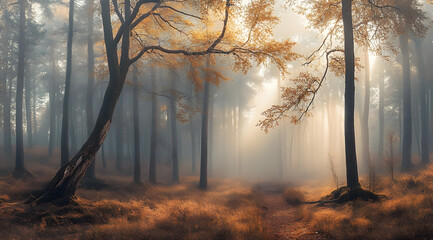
136	113
153	139
173	124
20	170
425	151
91	172
204	132
65	117
349	96
407	111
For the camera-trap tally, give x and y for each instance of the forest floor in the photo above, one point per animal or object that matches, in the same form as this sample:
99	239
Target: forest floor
229	209
283	221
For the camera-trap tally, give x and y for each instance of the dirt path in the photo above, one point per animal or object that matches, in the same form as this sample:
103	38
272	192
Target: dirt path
282	222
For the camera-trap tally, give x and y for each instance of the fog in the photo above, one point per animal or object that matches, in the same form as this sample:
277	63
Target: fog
238	148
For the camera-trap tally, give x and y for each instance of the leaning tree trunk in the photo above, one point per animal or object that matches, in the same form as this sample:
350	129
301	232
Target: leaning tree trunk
153	139
64	184
20	170
349	96
204	133
364	123
423	102
173	124
65	118
407	111
136	113
90	79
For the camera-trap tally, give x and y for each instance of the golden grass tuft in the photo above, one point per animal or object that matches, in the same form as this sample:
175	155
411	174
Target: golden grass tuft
293	196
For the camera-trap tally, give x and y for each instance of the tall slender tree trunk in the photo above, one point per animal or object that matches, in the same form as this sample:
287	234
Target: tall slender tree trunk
120	136
211	130
381	116
349	97
281	139
65	117
204	132
173	124
91	172
28	97
52	97
407	111
7	143
193	135
136	113
20	170
425	151
154	125
364	123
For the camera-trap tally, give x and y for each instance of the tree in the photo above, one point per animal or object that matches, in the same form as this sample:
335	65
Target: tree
20	170
153	134
204	131
366	111
65	118
407	105
425	152
368	14
90	77
173	124
63	186
52	99
136	119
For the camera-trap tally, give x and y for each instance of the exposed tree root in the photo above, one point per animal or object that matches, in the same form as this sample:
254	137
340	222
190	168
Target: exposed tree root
346	194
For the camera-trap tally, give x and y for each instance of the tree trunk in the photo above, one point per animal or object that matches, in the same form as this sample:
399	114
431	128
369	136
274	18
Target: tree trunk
211	129
204	132
381	116
173	124
407	111
423	102
364	123
90	79
52	97
136	113
193	136
7	143
65	117
120	138
28	96
152	162
20	170
349	96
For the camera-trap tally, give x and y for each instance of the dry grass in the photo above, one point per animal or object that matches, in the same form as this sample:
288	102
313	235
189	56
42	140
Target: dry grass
228	210
408	214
